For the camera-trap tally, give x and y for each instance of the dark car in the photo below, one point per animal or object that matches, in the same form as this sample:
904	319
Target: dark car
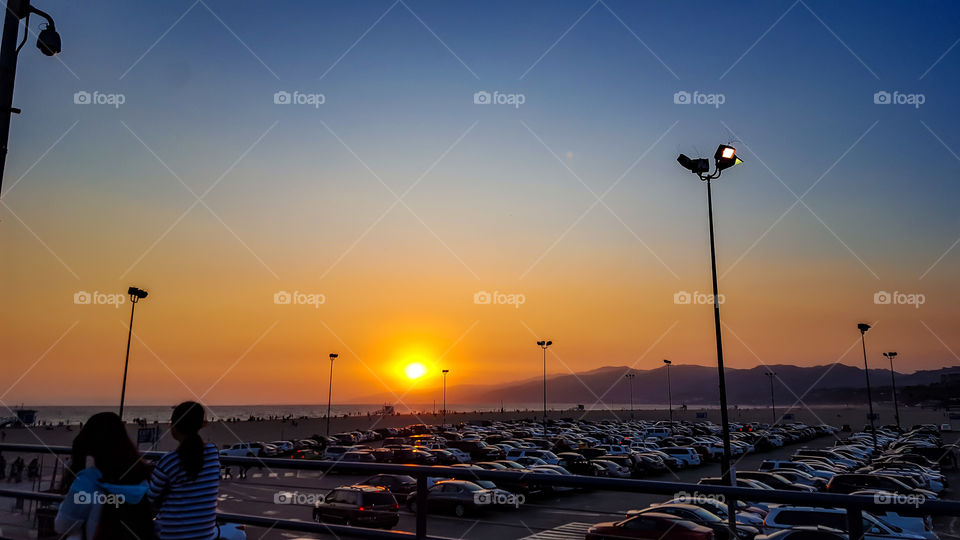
774	480
651	526
408	456
478	450
576	464
702	516
848	483
362	506
400	485
458	497
444	457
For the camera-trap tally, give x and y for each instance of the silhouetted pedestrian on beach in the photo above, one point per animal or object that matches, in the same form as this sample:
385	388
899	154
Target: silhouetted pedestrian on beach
33	470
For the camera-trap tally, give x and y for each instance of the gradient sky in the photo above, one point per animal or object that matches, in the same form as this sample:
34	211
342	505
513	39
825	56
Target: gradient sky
493	197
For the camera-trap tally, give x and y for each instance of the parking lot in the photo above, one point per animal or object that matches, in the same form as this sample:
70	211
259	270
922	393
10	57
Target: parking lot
556	517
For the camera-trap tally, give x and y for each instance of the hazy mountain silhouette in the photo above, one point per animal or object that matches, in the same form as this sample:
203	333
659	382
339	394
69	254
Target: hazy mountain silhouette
693	385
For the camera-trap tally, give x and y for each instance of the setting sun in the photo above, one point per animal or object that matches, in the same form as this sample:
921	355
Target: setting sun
415	370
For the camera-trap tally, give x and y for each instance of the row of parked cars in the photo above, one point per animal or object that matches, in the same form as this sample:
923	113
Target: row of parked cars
902	466
605	448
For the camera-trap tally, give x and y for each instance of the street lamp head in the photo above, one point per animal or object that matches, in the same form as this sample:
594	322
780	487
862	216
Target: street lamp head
136	294
334	356
541	343
696	166
667	362
446	371
725	157
49	40
863	327
549	343
891	355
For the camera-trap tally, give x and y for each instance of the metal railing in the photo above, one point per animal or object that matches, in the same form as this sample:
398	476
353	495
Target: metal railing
853	504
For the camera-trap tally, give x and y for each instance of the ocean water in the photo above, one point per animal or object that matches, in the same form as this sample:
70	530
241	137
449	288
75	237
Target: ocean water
72	414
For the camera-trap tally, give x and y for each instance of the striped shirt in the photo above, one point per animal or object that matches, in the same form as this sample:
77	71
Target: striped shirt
187	508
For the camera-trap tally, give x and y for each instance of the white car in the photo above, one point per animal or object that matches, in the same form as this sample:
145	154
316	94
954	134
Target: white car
461	456
248	449
786	517
688	456
335	452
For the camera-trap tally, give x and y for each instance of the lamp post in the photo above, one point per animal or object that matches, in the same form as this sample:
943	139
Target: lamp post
724	157
48	41
669	394
543	345
893	383
863	327
135	296
444	421
773	404
333	356
629	377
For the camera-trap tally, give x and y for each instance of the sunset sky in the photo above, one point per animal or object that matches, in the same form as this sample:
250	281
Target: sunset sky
398	199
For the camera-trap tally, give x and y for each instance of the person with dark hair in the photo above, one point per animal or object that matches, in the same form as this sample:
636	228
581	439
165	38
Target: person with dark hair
185	483
108	499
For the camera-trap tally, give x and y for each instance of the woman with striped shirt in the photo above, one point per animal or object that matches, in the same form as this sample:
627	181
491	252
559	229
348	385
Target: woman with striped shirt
185	482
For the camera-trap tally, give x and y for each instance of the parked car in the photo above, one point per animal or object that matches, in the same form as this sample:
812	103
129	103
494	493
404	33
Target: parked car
848	483
805	533
782	517
458	497
248	449
689	456
704	517
400	485
362	506
650	526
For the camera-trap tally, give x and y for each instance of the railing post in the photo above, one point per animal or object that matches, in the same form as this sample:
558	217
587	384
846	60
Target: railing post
854	523
421	502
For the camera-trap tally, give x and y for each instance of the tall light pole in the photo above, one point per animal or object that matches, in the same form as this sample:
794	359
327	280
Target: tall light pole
893	383
333	356
444	421
543	345
863	327
135	296
629	377
48	41
724	157
773	404
669	394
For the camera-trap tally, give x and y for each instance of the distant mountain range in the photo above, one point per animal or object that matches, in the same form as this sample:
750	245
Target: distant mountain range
691	384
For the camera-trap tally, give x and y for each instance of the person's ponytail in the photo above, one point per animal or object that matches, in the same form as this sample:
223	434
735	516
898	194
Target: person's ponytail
187	419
